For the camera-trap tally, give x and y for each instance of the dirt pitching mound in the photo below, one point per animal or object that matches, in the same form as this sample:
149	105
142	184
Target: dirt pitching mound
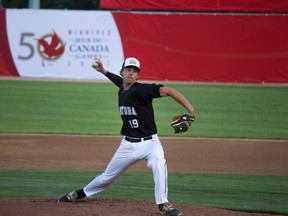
103	207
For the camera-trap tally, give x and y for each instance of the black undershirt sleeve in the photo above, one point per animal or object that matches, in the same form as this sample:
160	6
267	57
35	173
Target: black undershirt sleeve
117	80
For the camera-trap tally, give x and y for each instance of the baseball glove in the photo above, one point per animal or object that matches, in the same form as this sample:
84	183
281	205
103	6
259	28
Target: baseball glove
182	123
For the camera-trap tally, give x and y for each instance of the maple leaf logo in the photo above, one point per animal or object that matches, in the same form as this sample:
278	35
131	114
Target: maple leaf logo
50	46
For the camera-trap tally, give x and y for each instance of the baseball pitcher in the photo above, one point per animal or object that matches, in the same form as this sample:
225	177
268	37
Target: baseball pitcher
140	140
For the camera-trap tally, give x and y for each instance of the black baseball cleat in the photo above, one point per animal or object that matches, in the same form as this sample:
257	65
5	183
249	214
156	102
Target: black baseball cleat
72	196
167	209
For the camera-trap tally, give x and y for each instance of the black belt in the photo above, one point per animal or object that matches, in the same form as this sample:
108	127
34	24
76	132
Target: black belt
135	140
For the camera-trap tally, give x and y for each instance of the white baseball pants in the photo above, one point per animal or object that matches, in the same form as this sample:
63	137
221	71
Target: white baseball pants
128	154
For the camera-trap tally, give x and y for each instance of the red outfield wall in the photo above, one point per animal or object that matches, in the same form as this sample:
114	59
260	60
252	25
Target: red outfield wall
7	66
199	5
221	48
195	47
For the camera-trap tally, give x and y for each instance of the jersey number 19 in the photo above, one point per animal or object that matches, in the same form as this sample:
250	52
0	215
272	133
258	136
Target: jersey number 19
134	123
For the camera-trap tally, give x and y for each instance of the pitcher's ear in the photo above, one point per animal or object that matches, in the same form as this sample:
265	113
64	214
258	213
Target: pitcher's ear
137	76
121	72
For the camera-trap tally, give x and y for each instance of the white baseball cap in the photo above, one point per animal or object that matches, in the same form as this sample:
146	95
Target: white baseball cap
131	62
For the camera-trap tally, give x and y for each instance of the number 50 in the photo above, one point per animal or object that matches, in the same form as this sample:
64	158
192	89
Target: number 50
28	45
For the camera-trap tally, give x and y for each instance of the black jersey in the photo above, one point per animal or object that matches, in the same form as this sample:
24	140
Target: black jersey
135	107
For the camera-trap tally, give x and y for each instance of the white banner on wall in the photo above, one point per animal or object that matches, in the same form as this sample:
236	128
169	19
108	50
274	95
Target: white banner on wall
62	44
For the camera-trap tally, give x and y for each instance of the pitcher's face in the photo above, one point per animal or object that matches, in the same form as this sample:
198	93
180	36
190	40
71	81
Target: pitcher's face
130	75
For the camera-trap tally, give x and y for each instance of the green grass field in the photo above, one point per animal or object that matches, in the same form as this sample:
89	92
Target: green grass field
257	112
234	192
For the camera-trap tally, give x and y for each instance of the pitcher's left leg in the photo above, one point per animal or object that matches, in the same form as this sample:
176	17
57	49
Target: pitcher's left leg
157	163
